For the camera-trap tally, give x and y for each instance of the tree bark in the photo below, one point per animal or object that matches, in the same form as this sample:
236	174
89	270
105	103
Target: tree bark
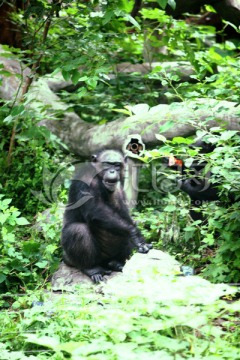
84	139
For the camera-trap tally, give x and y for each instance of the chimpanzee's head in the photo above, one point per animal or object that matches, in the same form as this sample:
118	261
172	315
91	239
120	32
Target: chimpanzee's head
109	166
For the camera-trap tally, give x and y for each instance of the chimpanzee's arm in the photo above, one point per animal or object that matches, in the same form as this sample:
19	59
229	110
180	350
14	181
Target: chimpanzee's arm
84	206
200	189
94	211
139	241
117	224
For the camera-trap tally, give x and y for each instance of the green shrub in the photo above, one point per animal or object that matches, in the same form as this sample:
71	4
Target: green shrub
145	318
212	246
27	256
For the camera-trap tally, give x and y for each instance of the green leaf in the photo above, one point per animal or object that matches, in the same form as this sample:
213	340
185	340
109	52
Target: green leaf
75	76
170	208
22	221
162	3
17	110
46	341
42	264
107	17
132	21
66	75
83	78
161	138
8	119
181	140
5	73
92	82
81	92
2	278
3	218
226	135
172	3
201	133
188	162
6	201
165	127
209	239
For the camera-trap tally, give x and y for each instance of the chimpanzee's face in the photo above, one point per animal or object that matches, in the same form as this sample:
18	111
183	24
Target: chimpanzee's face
109	165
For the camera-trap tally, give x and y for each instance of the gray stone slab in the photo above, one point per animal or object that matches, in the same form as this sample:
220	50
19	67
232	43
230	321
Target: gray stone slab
155	276
67	277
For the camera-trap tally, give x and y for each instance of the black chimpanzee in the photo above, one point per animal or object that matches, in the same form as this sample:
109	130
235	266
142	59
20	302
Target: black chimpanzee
194	181
98	233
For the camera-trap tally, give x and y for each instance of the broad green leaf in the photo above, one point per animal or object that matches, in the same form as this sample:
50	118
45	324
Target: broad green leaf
81	92
188	162
2	277
92	82
66	75
17	110
170	208
172	3
3	218
165	127
161	138
216	129
181	140
75	76
162	3
8	119
47	341
22	221
6	201
42	264
107	17
132	21
226	135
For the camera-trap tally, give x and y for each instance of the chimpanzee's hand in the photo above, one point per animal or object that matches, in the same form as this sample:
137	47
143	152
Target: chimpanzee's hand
144	248
139	241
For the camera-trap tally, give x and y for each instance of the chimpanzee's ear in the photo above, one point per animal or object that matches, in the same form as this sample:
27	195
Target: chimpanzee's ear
94	158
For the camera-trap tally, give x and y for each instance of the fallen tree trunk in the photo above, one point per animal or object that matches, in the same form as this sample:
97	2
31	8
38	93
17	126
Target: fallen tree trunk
83	139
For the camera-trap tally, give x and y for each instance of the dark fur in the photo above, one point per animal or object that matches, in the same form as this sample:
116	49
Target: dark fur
98	233
196	183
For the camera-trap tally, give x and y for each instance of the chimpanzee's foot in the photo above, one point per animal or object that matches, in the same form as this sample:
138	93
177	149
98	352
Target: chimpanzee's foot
97	273
115	265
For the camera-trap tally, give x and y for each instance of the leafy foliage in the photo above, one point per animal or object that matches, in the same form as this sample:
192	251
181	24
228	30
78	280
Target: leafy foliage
176	231
26	254
85	41
137	321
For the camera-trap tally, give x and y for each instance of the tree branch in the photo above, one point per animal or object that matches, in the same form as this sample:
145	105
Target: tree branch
186	117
